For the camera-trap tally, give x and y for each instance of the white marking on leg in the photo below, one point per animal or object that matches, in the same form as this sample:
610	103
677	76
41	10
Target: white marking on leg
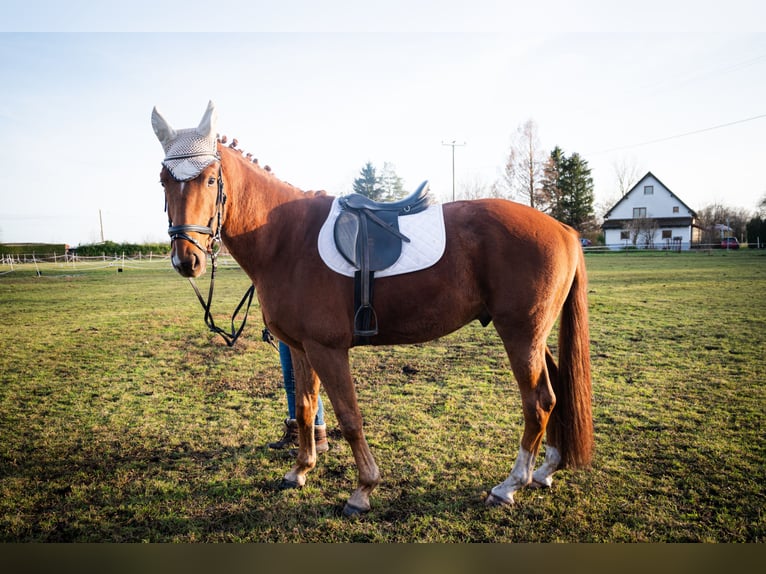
543	476
520	476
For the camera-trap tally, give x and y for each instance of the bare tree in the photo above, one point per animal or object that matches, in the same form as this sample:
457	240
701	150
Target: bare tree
642	231
524	166
391	184
714	220
476	188
627	174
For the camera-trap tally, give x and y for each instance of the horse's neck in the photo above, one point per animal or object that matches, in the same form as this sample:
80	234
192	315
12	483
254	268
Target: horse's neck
253	196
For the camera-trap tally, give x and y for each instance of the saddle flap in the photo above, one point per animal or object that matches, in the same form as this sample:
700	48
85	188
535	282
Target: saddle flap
346	233
383	246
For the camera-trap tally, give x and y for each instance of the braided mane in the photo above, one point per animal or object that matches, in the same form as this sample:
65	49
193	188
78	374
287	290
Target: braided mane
223	139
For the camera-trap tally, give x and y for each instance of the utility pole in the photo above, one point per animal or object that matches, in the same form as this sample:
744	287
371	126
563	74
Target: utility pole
101	222
453	144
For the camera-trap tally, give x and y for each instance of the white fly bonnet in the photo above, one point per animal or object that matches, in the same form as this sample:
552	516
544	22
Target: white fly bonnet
188	151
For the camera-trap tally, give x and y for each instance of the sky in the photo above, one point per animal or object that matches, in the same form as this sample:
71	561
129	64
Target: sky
317	89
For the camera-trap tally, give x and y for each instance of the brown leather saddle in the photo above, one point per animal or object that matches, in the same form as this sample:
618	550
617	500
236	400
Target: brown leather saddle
367	235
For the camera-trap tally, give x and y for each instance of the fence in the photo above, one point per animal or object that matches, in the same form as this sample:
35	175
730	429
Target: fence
69	263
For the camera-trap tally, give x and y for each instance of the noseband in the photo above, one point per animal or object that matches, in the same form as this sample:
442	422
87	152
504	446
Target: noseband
182	232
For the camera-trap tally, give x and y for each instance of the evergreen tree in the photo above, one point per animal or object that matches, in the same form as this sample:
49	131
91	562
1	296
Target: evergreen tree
577	192
368	183
568	189
551	184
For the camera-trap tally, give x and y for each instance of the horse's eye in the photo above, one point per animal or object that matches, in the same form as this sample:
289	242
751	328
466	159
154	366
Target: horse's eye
211	181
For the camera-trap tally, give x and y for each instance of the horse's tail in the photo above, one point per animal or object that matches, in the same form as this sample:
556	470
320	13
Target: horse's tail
570	427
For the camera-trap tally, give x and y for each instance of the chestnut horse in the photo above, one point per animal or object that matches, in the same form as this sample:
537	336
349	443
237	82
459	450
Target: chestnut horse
504	262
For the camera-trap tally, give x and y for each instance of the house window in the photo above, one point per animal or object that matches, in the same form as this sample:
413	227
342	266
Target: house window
624	235
648	190
675	209
667	234
639	212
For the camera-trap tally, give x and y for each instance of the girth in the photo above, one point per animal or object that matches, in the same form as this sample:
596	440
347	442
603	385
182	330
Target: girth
367	235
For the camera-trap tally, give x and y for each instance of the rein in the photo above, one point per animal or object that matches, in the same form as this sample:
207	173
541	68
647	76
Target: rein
182	231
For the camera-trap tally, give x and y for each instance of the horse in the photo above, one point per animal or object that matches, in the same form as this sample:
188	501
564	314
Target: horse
503	263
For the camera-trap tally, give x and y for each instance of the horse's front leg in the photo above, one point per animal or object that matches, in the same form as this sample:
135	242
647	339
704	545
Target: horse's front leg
332	367
306	405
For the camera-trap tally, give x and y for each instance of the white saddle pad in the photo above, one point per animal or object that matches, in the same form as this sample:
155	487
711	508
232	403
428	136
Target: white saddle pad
426	246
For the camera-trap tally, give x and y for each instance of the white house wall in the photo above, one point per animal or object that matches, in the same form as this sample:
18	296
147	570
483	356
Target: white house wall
613	241
660	204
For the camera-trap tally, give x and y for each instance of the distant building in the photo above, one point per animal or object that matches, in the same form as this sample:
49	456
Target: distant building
650	216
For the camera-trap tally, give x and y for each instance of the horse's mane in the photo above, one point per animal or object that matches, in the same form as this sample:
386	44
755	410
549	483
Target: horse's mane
223	139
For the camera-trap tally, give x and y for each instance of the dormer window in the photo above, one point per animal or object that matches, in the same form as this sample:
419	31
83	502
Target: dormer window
648	190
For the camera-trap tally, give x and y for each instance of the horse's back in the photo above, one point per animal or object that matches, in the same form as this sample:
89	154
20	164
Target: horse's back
509	229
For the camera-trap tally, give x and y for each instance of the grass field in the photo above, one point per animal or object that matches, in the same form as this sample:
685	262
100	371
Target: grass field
123	419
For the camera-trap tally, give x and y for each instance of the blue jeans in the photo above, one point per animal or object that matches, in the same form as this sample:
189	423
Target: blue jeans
289	380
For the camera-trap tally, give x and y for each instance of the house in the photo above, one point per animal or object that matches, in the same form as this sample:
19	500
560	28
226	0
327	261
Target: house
650	216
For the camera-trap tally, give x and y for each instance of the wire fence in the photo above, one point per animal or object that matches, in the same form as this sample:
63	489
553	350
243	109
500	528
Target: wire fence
69	264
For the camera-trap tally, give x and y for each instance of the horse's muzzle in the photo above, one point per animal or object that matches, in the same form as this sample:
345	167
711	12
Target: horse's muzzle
188	259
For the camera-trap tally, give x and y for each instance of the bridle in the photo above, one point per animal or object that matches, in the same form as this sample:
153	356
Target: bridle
182	232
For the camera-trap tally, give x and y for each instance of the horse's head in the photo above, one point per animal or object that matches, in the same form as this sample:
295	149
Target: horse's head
194	197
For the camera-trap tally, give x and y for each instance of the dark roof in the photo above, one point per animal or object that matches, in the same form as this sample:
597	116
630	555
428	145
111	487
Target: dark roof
660	221
649	173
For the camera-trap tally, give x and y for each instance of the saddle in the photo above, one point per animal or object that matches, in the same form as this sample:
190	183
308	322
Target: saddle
367	235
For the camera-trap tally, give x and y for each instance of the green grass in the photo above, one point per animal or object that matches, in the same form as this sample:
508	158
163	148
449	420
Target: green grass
123	419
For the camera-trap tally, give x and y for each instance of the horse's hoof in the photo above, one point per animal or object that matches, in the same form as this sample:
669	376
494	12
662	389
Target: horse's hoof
287	484
351	511
534	485
494	500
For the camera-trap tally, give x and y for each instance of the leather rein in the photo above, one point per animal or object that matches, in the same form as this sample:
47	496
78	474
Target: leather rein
182	232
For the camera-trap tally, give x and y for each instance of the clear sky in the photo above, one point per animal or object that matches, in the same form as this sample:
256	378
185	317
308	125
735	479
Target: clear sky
317	89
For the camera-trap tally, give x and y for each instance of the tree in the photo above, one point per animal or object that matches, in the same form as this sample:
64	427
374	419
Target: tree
642	231
387	186
524	166
715	218
756	232
390	183
577	193
756	227
551	183
368	183
627	174
567	189
476	188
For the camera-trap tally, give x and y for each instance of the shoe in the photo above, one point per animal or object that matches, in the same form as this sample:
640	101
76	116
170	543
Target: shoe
290	436
320	440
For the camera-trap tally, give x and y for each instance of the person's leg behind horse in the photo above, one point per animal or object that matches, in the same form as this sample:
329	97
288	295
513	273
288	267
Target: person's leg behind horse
290	435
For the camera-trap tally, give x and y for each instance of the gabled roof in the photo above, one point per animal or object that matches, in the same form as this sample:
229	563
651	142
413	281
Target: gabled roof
640	181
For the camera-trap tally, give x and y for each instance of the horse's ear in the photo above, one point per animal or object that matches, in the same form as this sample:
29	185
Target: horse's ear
207	125
165	133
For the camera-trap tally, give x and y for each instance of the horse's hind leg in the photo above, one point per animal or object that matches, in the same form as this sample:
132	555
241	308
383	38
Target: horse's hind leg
538	400
332	367
543	476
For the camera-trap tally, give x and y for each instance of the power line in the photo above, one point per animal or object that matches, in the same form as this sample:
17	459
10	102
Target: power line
664	139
